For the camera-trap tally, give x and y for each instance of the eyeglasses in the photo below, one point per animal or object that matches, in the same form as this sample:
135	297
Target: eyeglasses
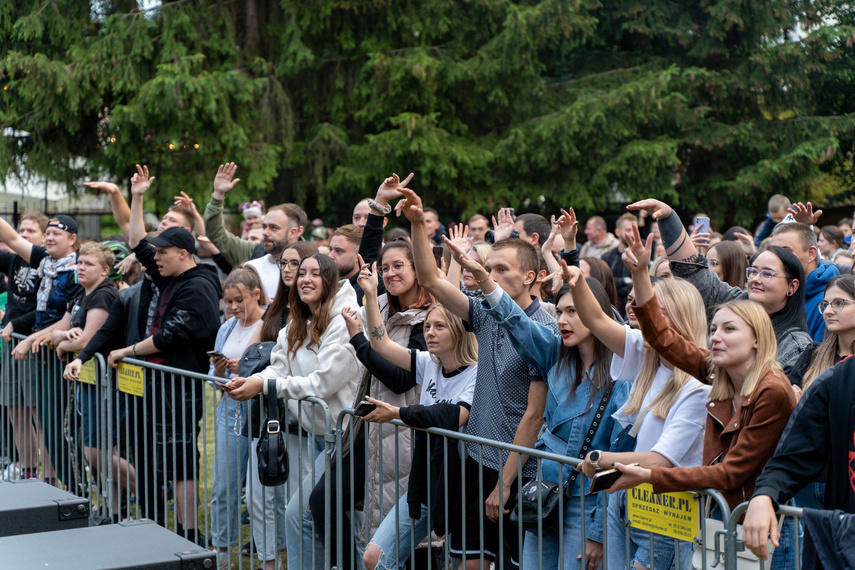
394	268
836	304
765	275
283	263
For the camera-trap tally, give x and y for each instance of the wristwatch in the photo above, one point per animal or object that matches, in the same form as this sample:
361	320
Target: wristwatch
594	457
376	206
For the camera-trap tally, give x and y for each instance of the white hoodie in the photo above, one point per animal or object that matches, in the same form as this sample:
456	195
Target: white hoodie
329	372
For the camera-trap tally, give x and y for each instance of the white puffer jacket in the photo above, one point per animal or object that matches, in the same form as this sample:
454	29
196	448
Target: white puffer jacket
330	371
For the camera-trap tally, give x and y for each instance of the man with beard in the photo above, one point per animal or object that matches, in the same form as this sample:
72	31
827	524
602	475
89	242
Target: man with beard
282	225
623	279
344	245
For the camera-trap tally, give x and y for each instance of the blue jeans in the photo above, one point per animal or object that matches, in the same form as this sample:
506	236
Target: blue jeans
299	535
396	538
231	453
662	557
548	547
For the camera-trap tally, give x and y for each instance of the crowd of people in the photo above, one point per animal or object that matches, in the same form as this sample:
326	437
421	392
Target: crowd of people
720	359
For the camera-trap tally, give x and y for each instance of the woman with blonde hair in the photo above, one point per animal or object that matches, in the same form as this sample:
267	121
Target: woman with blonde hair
446	372
750	401
665	407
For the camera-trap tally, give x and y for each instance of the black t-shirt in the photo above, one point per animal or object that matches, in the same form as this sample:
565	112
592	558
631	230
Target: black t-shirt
101	298
23	285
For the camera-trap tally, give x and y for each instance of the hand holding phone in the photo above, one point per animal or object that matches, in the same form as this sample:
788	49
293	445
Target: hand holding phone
702	225
215	354
364	408
603	480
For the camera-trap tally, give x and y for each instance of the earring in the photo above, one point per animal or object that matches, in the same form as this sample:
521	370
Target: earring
789	293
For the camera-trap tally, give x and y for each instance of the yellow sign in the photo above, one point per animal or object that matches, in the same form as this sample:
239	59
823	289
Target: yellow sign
87	373
131	379
676	515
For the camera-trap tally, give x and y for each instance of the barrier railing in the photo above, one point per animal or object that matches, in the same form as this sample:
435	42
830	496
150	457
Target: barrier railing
147	440
789	538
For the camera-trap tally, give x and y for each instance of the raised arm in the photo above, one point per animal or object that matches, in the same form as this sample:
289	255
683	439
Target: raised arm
601	325
13	239
458	235
140	183
675	238
451	297
121	211
380	341
234	249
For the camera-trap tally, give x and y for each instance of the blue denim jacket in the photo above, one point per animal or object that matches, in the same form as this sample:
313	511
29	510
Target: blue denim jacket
568	416
222	334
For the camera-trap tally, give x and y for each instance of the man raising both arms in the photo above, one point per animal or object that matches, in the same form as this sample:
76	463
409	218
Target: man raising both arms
510	395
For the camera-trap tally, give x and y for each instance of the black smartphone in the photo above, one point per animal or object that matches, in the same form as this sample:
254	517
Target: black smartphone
216	353
437	255
364	408
511	211
602	480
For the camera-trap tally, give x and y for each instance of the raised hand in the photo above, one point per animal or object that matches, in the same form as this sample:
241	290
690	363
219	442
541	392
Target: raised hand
105	187
746	242
410	206
353	321
391	188
141	181
503	228
225	180
700	239
569	226
459	236
185	201
636	256
804	214
467	261
367	277
656	208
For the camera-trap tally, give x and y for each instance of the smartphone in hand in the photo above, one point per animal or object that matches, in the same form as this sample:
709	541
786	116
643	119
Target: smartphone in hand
364	408
702	224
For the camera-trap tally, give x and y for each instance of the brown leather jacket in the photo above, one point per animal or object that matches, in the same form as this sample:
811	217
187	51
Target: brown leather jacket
736	445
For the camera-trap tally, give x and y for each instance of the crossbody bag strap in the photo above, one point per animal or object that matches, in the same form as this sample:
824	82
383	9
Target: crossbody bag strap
633	431
583	452
272	426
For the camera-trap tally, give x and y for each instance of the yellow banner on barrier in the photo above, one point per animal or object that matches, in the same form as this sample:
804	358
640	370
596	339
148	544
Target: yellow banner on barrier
130	379
676	515
87	373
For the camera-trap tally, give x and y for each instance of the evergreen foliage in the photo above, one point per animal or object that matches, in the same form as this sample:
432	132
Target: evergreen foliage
710	105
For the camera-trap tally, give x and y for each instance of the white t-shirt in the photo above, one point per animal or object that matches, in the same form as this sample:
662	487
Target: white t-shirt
269	273
238	340
680	436
437	388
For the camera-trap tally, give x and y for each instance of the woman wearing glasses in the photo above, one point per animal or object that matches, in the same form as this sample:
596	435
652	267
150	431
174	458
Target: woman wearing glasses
838	311
750	402
775	281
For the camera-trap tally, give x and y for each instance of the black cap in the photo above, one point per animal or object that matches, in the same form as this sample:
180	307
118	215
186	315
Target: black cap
63	222
174	237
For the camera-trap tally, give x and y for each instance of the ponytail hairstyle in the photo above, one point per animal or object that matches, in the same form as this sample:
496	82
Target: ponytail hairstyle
302	323
279	307
247	276
569	357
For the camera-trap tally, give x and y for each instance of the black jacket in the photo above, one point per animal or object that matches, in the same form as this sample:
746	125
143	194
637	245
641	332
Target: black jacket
820	434
431	475
190	305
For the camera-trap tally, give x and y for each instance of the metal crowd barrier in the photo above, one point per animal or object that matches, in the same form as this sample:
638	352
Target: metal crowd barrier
349	549
143	441
793	541
147	440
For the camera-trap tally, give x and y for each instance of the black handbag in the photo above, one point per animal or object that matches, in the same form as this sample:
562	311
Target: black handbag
271	451
538	503
255	358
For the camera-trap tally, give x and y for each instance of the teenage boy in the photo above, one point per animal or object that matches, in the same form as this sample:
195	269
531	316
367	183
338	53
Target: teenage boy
57	286
183	328
510	395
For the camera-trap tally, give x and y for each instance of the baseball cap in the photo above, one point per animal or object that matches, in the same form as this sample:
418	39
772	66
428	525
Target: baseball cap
174	237
63	222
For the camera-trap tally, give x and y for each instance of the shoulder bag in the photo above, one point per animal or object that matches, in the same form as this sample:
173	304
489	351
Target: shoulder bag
538	503
271	451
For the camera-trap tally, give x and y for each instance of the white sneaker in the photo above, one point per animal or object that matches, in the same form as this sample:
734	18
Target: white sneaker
224	561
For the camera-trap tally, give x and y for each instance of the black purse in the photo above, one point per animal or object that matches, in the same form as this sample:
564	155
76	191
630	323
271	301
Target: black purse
539	500
271	451
255	358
